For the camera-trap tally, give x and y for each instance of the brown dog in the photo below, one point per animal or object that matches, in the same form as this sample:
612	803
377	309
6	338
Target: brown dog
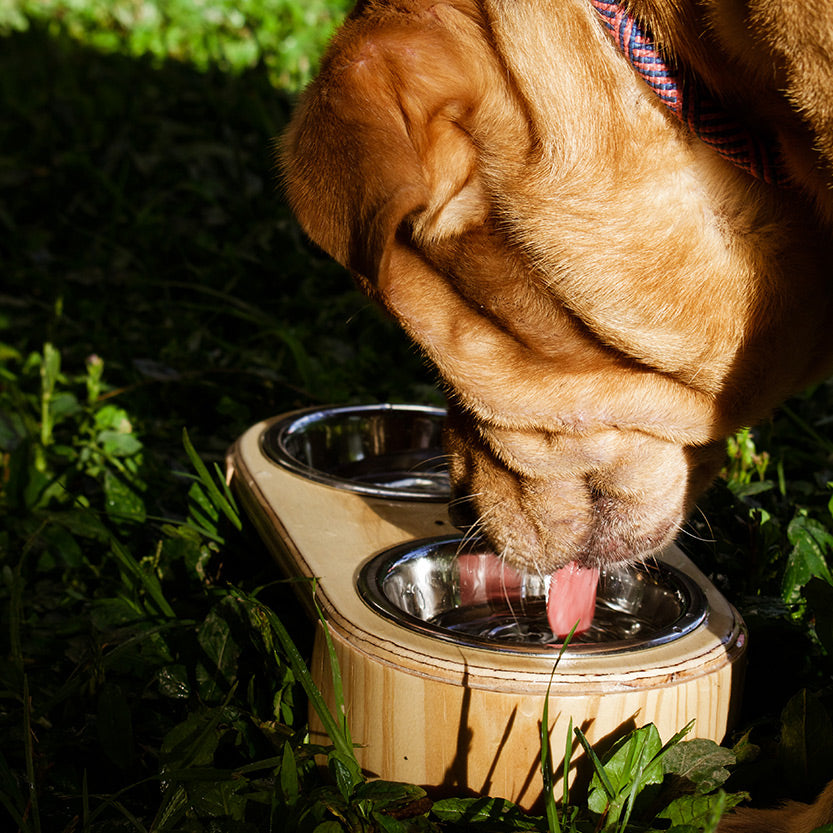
605	295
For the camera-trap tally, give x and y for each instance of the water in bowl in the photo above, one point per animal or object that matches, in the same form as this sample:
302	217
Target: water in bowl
503	621
459	591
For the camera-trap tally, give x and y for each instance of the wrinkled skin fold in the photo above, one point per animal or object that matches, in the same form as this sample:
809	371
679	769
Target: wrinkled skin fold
605	298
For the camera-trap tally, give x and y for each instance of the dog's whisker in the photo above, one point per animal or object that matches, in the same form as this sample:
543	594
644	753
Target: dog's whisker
474	531
686	528
468	536
503	587
461	499
434	463
689	533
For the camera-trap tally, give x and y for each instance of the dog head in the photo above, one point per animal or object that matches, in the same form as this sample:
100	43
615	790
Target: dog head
605	299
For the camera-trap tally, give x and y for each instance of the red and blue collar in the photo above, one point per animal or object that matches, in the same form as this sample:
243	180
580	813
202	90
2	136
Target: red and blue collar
706	119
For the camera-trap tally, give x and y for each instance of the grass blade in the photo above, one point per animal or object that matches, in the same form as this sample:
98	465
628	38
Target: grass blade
568	754
224	500
148	581
547	773
30	756
674	740
304	677
338	685
553	824
597	764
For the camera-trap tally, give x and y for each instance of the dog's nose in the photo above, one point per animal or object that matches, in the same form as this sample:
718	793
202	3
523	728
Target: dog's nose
462	512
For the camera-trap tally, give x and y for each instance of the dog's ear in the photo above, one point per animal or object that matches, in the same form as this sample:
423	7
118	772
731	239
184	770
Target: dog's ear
375	156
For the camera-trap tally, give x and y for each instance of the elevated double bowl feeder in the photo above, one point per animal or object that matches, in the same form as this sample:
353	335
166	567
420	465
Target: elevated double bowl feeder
444	684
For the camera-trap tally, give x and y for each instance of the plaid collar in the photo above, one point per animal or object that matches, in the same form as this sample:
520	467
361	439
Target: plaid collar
707	120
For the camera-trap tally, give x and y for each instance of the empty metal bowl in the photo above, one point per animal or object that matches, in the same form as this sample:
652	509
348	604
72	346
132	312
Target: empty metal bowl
386	451
453	591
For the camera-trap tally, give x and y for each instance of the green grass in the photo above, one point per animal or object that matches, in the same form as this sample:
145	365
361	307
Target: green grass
154	282
281	36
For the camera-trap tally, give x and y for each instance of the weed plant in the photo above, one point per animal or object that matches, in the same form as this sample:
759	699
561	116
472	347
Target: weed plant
156	300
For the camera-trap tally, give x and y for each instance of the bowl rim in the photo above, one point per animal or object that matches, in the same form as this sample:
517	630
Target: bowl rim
368	585
274	436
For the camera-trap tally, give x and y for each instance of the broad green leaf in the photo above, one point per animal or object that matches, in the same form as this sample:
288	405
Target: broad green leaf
701	761
744	750
35	488
810	541
388	824
82	522
628	768
343	772
218	798
217	641
388	798
111	614
172	810
289	776
388	794
62	405
186	549
62	545
118	444
806	741
700	812
121	502
192	742
111	418
173	682
486	811
328	827
745	490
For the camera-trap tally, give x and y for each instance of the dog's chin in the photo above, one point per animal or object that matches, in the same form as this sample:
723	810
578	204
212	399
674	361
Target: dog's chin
597	500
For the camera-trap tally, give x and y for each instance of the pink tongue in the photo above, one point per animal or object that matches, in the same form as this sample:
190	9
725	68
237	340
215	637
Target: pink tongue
572	598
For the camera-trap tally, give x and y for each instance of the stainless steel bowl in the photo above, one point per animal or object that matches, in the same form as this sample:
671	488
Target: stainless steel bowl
422	585
385	451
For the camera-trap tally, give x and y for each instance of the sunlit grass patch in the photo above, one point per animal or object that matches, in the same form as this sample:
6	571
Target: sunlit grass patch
287	36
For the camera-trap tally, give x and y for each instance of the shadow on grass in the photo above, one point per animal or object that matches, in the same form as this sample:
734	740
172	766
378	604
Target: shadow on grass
141	220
